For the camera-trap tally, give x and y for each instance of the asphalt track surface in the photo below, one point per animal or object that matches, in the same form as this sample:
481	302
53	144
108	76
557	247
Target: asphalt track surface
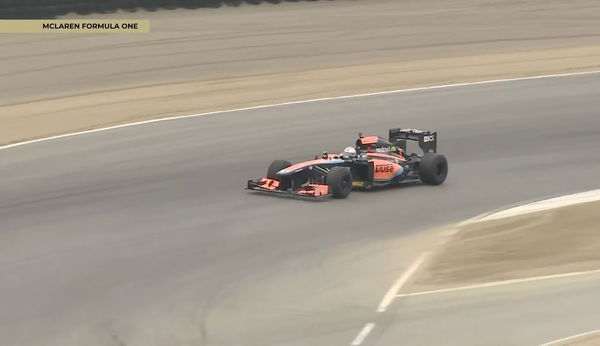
144	235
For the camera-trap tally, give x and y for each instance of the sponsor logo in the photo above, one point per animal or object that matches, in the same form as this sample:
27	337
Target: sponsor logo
358	183
413	131
384	169
428	138
383	150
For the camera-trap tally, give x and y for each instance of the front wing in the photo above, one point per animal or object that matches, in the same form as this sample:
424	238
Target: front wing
268	185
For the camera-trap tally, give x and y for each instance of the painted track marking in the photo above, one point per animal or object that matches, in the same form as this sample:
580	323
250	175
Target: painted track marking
392	293
362	335
571	338
541	205
500	283
444	86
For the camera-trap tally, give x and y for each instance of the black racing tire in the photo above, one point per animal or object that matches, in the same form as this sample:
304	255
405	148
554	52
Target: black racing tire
275	166
433	168
339	180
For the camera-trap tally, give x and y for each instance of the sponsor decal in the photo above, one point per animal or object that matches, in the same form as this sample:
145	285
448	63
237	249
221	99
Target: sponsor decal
358	183
428	138
413	131
384	169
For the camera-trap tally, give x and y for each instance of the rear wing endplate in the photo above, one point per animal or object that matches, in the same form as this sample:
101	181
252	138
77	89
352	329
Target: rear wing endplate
427	139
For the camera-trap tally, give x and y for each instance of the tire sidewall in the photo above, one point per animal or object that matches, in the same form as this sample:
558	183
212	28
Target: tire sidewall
339	180
433	169
276	166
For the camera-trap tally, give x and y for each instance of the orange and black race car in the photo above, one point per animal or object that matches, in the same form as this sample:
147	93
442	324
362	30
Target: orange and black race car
373	161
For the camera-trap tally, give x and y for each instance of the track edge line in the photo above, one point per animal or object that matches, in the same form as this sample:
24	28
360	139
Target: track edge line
433	87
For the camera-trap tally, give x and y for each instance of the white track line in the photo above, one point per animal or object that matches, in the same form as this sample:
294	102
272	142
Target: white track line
300	102
500	283
363	334
392	293
571	338
551	203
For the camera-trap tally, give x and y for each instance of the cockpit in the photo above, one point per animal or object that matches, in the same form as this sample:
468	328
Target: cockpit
376	144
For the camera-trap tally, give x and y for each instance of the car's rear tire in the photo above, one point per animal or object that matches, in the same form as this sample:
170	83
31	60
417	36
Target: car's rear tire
275	166
433	168
339	180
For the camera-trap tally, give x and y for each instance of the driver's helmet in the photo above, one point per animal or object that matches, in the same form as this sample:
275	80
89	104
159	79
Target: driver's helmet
349	152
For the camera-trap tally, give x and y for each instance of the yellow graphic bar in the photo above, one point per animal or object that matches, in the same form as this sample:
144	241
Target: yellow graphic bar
74	26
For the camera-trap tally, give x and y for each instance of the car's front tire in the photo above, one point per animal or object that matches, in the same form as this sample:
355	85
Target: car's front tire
433	168
339	180
276	166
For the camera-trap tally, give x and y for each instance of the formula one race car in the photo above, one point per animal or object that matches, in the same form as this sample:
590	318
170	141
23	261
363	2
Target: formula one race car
373	161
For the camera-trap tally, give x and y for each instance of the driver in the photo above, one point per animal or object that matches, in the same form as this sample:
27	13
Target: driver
349	152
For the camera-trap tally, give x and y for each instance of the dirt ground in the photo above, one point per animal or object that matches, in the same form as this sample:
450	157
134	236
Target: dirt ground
560	240
53	116
206	60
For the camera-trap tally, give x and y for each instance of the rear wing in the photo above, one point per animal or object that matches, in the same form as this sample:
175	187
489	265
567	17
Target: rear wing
427	140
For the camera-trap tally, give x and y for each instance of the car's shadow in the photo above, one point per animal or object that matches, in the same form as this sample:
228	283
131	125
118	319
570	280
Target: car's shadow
289	196
375	189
